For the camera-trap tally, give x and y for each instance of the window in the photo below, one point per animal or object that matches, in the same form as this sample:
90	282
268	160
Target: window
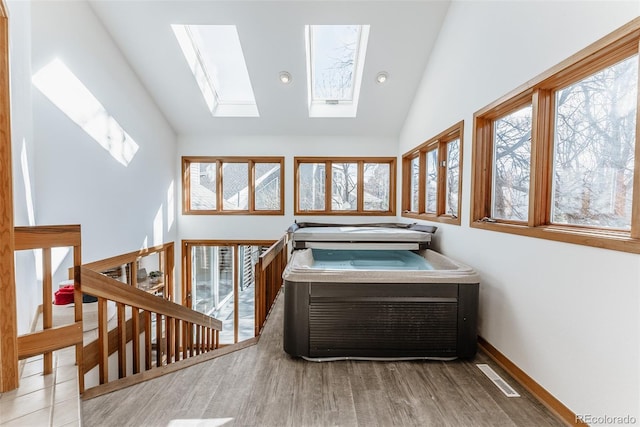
219	281
556	158
432	178
335	63
345	186
229	185
216	59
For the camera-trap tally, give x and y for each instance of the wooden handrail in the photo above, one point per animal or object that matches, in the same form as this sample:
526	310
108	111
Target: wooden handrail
164	251
50	339
273	251
268	273
47	236
105	287
180	332
118	260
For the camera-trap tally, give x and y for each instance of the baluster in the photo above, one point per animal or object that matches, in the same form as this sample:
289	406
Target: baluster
103	341
148	357
169	336
47	308
177	329
135	328
122	341
159	346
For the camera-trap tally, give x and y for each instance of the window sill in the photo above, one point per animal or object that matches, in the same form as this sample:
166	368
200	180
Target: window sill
346	213
446	219
613	240
257	213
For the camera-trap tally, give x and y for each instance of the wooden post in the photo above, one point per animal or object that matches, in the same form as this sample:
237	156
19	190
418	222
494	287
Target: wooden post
47	309
8	311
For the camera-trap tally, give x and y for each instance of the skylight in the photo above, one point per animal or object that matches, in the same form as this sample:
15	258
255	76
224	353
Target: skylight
215	57
335	61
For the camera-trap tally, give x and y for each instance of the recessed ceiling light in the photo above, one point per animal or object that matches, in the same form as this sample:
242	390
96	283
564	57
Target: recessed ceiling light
285	77
382	77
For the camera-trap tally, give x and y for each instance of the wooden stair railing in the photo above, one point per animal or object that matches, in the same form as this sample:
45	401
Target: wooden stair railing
180	332
268	273
131	260
49	338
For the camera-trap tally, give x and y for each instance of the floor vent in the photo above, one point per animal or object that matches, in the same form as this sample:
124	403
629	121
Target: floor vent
498	381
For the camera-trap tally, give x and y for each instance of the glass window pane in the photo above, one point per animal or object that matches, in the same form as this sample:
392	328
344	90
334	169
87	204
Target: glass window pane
512	165
453	178
344	186
202	180
212	285
249	256
432	182
215	56
311	178
594	147
267	185
235	186
415	187
376	186
334	51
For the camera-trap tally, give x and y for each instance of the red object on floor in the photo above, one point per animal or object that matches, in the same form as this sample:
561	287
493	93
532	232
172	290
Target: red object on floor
64	295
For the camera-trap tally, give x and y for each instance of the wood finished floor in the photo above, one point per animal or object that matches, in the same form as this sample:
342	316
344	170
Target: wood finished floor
263	386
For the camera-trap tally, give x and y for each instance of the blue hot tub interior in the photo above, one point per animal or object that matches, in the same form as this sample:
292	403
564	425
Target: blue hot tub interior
347	259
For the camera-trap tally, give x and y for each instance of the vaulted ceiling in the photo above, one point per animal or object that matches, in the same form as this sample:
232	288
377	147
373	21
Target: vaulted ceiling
272	36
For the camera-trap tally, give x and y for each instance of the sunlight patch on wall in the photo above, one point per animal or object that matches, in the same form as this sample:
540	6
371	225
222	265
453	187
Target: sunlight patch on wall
171	206
158	235
73	98
145	243
57	257
26	179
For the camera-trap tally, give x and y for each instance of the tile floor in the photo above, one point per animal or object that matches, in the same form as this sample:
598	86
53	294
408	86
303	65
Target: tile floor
44	400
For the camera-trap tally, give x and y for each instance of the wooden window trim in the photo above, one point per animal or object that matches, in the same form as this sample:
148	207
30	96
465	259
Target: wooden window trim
329	161
251	163
540	92
9	375
440	143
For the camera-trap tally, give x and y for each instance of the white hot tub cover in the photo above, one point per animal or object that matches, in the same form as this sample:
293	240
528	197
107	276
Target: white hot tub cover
363	236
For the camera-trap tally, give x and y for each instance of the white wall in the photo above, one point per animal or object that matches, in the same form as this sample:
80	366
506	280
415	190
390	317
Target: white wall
268	227
568	315
121	208
27	293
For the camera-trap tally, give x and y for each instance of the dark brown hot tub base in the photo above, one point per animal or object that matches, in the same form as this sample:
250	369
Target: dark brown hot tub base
380	320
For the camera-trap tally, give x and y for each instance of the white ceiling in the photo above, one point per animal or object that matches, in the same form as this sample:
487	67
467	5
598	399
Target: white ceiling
272	37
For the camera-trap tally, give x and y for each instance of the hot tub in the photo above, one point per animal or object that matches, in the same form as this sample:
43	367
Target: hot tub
374	298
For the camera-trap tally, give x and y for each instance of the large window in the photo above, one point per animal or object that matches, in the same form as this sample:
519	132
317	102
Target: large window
556	158
345	186
233	185
432	178
219	281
